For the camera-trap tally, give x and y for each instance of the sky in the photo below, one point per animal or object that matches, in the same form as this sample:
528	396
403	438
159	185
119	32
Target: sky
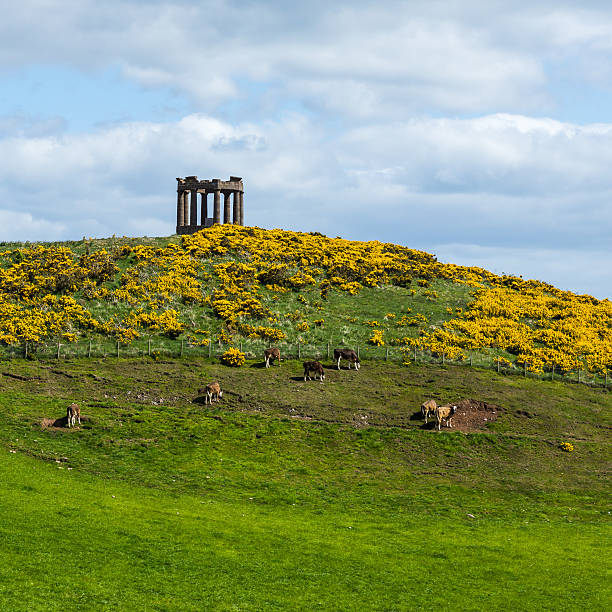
477	130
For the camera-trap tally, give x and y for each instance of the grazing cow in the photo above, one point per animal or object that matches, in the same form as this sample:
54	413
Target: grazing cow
348	354
73	413
445	413
316	367
428	408
211	392
271	354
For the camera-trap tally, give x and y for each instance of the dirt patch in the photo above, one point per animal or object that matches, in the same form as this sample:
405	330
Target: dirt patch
472	415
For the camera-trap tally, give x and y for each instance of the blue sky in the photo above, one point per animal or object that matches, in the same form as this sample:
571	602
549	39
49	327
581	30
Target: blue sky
479	131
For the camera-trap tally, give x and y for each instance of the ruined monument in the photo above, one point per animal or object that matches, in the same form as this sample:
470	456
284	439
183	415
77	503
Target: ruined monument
187	203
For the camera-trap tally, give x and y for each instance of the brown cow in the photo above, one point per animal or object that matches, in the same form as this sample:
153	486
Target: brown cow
73	413
316	367
270	354
428	408
348	354
445	413
211	392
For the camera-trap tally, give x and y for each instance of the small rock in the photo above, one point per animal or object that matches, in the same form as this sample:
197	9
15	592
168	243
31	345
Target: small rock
471	515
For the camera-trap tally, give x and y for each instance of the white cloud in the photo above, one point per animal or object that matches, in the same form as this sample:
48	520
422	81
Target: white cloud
357	59
16	225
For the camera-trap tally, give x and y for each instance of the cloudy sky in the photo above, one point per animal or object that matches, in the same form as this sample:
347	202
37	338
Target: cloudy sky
477	130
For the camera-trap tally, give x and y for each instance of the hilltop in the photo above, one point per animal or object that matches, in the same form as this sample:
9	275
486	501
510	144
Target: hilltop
250	287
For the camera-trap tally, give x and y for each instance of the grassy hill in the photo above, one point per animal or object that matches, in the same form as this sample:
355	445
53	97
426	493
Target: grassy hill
232	285
292	494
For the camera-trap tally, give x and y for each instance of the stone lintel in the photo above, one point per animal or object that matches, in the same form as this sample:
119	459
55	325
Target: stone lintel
191	183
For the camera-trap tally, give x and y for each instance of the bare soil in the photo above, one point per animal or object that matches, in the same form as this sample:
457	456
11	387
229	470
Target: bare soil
472	415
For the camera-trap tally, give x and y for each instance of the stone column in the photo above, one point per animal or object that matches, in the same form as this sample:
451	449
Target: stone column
235	219
204	209
179	209
193	217
218	204
226	206
217	211
185	208
241	198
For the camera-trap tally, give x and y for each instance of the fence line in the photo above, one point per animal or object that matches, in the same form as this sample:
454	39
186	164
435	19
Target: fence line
164	348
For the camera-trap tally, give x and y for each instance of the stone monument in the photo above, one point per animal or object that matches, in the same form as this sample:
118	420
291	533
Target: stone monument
188	189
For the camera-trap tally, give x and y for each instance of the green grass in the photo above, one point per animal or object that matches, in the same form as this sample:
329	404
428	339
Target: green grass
280	498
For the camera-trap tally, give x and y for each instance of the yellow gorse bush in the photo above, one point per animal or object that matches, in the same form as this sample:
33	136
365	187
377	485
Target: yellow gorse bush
377	338
233	357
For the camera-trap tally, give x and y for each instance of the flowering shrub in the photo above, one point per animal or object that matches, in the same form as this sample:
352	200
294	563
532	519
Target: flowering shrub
568	447
502	362
224	337
413	321
377	338
233	357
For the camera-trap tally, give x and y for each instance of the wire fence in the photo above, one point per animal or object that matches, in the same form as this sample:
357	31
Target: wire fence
158	348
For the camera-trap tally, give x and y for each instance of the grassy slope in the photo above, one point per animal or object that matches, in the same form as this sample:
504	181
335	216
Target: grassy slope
283	503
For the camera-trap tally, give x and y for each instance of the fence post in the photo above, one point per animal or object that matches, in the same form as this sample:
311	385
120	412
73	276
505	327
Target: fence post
387	354
210	348
26	350
181	347
525	369
498	365
328	349
89	349
415	356
443	355
58	350
606	375
299	351
579	375
117	349
552	374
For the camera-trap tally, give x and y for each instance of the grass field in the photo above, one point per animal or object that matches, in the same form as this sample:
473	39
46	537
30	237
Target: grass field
296	496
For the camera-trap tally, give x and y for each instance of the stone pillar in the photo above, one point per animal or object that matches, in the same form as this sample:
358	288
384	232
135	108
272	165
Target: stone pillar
185	208
234	208
226	206
204	209
217	212
241	198
218	204
179	209
193	217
